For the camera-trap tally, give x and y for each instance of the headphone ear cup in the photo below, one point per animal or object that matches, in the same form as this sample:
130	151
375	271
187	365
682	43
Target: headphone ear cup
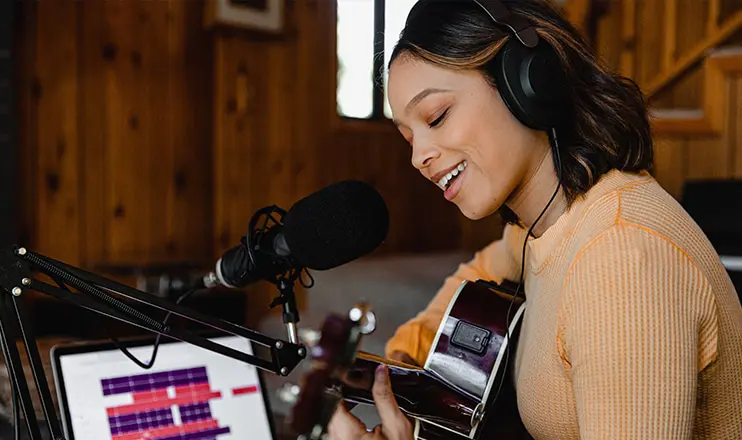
532	84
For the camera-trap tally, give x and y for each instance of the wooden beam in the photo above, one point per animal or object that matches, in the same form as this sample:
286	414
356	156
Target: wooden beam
713	18
627	61
695	126
669	50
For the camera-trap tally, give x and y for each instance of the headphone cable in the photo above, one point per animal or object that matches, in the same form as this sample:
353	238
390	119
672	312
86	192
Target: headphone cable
555	145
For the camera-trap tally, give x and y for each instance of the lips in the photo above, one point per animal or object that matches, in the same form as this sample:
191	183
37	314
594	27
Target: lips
454	187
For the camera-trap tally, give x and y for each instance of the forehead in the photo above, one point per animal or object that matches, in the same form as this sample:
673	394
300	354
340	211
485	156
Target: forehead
409	76
407	73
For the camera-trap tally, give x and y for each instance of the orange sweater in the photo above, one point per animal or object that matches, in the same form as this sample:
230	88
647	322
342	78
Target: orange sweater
633	329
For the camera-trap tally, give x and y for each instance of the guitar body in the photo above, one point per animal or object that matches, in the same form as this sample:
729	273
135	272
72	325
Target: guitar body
455	395
464	390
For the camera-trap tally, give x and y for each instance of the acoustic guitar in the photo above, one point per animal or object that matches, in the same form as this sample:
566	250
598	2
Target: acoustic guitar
464	390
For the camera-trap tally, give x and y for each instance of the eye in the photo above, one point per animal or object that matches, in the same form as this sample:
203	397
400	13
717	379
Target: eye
438	120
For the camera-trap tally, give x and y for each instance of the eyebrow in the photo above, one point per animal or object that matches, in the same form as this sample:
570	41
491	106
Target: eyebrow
422	95
416	100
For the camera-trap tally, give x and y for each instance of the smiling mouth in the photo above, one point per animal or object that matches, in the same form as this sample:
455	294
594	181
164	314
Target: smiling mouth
448	179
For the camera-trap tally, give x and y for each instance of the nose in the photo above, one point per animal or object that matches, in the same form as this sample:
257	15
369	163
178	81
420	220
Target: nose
423	154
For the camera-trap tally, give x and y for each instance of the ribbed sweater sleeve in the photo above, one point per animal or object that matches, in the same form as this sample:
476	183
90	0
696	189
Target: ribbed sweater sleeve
497	262
636	324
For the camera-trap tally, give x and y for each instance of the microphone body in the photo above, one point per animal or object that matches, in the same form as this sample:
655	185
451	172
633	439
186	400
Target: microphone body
235	269
326	229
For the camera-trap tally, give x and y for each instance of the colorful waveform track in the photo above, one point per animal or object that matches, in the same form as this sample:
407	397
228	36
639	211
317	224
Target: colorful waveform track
168	405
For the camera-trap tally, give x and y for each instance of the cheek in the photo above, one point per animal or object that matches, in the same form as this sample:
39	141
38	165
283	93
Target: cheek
500	150
493	178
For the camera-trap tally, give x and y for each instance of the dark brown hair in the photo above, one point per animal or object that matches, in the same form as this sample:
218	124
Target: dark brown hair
610	127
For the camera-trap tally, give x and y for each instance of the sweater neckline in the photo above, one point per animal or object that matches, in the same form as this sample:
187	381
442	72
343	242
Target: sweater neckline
542	247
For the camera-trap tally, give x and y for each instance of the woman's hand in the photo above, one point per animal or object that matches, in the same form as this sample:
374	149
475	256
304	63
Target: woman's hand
394	424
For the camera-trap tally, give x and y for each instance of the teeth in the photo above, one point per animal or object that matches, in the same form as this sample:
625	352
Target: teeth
449	176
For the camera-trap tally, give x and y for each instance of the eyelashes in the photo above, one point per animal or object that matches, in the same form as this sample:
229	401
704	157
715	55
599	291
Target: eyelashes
439	119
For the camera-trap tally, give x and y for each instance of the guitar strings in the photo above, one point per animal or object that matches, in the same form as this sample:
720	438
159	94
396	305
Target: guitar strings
555	145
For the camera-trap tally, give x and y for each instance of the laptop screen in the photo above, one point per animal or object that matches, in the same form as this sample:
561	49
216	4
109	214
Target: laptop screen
189	394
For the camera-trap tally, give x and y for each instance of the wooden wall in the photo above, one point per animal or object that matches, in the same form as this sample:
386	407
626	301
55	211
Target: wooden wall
644	38
116	117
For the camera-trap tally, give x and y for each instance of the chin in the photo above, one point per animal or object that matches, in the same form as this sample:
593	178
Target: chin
477	212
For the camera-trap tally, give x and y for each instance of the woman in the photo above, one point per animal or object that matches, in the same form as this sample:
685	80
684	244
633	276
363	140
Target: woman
633	328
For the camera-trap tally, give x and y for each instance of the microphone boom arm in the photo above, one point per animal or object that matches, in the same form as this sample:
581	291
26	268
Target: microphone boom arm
92	294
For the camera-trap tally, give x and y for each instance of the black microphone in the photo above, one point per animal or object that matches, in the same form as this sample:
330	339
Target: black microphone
326	229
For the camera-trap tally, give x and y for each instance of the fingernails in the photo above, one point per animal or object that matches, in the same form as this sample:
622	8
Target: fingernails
381	373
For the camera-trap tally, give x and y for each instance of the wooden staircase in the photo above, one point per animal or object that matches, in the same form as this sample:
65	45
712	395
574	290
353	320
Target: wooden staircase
686	55
709	53
710	117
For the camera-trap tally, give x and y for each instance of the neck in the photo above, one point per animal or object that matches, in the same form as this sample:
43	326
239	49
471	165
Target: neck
532	196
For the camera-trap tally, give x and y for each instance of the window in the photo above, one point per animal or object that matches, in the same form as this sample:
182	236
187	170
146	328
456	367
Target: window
366	33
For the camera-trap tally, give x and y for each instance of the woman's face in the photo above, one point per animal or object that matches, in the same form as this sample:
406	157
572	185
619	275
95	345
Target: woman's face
459	128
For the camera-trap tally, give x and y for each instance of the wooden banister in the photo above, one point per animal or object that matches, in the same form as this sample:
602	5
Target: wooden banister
711	117
695	55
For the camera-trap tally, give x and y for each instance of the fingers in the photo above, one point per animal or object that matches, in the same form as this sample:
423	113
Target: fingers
377	434
395	426
344	425
384	397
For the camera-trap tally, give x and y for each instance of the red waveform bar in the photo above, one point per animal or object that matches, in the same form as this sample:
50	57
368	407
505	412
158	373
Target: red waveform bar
190	398
167	431
245	390
193	389
149	396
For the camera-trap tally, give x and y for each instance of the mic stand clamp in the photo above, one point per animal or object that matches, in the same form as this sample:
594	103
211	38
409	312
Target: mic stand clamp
92	294
287	299
282	271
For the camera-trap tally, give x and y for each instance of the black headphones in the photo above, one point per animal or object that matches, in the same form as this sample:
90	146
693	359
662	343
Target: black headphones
528	72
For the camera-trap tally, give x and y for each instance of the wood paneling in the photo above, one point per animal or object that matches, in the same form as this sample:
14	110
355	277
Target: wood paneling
119	124
670	165
56	162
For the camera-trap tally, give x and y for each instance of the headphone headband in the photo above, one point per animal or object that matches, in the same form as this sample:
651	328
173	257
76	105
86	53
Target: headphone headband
520	27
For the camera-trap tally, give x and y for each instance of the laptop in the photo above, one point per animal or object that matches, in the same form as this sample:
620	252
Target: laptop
189	393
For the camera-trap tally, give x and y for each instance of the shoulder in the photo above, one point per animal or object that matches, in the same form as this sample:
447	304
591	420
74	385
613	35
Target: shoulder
636	209
636	260
632	278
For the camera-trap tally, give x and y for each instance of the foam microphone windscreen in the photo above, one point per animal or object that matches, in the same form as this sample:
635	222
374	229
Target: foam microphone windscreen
336	225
